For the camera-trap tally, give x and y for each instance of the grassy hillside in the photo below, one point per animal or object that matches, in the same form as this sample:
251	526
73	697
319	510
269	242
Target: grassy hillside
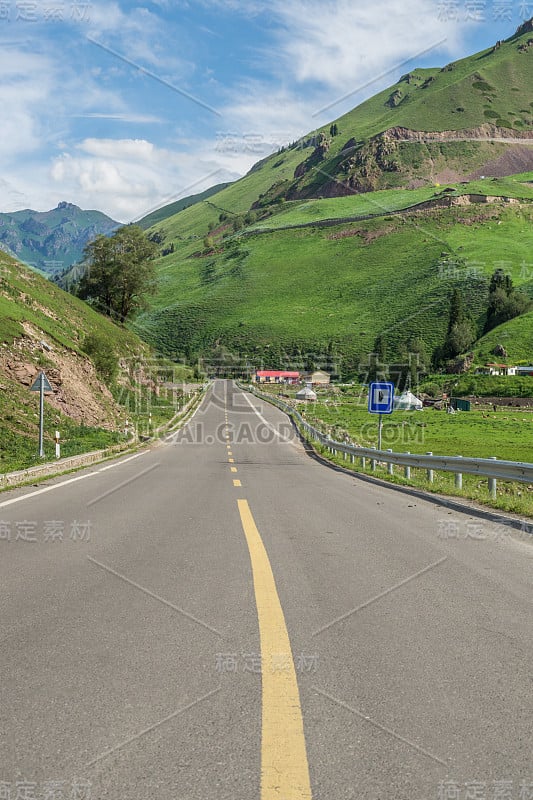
174	208
469	95
292	291
325	244
28	299
43	328
516	337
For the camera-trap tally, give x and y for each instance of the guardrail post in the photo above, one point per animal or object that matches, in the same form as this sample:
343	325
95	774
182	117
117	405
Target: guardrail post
374	462
363	462
431	474
492	482
408	469
459	478
390	465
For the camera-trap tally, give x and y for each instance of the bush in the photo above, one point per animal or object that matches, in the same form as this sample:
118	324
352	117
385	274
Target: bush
103	356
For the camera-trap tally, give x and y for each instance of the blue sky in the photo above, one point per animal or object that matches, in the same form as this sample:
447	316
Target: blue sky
124	107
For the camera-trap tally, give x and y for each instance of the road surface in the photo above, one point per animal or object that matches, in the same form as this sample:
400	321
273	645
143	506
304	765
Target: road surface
221	616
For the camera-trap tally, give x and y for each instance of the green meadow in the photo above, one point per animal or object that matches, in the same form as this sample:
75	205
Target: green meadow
506	434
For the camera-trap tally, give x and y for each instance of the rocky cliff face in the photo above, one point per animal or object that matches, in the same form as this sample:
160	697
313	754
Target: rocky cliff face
482	133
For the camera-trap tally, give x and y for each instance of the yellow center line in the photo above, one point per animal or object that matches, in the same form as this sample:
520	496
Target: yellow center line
237	483
284	766
233	469
231	460
230	453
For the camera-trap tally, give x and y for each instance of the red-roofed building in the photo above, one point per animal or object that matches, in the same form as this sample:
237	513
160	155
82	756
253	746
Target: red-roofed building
276	376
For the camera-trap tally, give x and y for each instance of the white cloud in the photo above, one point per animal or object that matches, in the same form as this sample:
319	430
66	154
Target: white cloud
330	56
320	51
27	82
127	178
121	149
342	43
140	36
140	119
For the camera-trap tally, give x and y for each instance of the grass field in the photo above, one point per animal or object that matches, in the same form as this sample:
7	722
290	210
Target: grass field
389	200
280	294
478	434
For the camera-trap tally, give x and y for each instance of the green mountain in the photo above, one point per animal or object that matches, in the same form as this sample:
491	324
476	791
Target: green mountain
44	328
174	208
51	241
363	228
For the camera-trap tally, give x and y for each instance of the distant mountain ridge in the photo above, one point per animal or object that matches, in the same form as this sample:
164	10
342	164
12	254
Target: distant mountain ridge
52	241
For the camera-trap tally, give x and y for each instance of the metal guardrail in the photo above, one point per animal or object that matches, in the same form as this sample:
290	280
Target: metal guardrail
490	468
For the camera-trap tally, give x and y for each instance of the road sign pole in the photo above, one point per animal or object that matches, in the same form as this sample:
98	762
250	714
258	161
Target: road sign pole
380	401
41	384
41	420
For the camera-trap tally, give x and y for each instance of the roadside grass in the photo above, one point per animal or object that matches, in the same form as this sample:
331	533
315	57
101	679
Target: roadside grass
477	434
19	432
515	498
63	321
20	449
480	433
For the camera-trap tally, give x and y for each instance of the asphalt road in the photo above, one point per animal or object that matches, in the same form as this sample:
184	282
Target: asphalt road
223	617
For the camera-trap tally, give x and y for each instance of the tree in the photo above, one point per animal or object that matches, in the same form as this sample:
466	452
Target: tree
103	356
505	302
418	359
461	330
97	284
380	348
460	338
120	272
457	310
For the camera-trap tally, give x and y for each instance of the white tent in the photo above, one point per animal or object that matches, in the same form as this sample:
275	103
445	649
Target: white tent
306	394
408	402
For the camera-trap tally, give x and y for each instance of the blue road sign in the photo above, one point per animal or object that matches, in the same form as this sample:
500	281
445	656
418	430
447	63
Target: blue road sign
381	397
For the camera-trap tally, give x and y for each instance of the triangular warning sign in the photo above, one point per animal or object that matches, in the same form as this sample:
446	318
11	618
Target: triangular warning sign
41	382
